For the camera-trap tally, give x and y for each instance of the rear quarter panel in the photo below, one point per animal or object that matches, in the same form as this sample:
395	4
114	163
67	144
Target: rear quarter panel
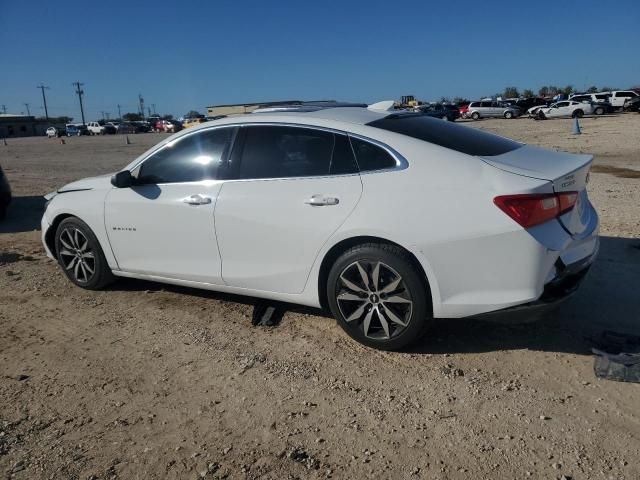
441	209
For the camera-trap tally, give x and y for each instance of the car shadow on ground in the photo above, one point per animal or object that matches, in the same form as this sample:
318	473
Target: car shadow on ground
609	299
23	215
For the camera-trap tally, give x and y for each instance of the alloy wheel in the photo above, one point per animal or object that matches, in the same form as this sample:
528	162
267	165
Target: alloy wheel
375	297
76	254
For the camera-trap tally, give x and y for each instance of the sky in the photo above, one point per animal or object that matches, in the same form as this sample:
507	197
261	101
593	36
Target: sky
188	55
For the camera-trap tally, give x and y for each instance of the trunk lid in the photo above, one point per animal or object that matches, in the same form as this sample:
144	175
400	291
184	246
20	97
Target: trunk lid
567	172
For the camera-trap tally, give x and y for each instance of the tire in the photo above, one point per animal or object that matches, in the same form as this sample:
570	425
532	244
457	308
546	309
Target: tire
475	115
445	118
599	111
578	113
365	312
80	255
508	114
541	115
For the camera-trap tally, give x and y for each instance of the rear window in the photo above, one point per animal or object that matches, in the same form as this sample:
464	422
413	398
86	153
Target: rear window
447	134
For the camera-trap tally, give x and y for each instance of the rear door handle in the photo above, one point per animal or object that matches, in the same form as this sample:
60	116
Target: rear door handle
197	200
321	201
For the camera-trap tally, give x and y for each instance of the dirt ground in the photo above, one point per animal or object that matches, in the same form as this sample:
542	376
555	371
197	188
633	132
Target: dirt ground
153	381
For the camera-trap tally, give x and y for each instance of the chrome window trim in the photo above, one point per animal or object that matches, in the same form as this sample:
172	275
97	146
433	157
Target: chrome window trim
401	162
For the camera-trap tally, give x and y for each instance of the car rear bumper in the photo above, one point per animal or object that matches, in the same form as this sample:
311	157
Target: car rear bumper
566	282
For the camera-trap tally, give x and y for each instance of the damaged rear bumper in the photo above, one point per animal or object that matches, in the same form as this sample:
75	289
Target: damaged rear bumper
567	280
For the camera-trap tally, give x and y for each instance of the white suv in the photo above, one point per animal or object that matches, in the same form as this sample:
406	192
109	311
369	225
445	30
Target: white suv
95	128
618	97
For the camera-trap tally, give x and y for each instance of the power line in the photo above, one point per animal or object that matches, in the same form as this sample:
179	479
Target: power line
44	99
80	92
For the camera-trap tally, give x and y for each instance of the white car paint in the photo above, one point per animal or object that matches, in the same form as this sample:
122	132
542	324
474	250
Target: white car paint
618	97
95	128
261	238
566	108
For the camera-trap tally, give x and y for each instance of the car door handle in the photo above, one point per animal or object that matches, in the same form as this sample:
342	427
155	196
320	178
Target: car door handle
321	201
197	200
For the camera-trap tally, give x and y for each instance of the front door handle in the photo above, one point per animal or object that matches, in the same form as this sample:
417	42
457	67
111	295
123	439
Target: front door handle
321	201
197	200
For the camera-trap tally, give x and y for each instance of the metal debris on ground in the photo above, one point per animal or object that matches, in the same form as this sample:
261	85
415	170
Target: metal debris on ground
617	357
266	314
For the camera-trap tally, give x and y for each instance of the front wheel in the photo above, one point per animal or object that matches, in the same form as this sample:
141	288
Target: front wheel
599	111
578	113
475	115
80	255
378	296
508	115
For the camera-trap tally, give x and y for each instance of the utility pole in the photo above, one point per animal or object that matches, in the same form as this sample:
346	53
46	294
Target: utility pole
28	112
119	113
102	112
148	111
4	109
80	92
44	99
107	114
141	100
154	108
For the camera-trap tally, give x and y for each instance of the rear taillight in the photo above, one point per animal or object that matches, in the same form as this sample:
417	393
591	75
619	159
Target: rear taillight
533	209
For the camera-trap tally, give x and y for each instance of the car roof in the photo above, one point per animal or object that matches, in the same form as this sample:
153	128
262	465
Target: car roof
354	115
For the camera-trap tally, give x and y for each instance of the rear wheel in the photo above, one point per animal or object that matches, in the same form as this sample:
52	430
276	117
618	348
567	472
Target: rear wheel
599	111
80	255
508	114
378	296
578	113
475	115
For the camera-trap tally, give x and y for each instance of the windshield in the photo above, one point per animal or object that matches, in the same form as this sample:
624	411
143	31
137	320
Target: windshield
446	134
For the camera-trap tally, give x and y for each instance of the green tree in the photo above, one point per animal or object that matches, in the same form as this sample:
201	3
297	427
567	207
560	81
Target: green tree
193	114
132	117
568	90
167	117
511	92
544	91
528	93
592	89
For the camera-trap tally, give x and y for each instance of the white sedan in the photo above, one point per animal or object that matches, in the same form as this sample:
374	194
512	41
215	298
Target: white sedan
388	219
566	109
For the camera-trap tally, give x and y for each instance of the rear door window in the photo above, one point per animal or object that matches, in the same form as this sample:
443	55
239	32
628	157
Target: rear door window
285	152
446	134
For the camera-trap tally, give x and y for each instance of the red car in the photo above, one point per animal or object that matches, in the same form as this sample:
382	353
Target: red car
464	109
167	126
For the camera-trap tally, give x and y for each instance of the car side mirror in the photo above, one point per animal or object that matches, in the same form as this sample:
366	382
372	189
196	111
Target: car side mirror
122	179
